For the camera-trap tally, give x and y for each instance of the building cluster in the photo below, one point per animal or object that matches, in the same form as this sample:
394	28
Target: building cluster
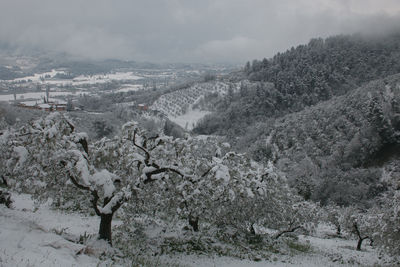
50	106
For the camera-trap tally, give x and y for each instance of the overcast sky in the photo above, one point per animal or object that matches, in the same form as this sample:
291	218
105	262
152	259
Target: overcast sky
186	30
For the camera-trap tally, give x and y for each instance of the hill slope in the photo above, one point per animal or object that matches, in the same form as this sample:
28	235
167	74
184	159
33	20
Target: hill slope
338	149
305	76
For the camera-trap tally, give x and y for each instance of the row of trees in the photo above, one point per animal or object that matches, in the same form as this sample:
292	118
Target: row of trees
192	179
188	179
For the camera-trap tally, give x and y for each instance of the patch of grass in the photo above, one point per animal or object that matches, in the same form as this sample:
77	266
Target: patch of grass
301	247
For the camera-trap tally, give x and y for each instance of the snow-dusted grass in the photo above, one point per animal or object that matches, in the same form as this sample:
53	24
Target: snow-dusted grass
37	236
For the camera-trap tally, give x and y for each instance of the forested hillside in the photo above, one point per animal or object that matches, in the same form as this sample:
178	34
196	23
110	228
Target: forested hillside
335	151
314	112
305	75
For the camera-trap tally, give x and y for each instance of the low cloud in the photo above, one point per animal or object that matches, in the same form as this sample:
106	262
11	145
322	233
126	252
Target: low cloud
187	31
237	48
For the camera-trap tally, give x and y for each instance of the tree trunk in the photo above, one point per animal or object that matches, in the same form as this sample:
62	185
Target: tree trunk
360	240
252	230
338	230
105	227
194	223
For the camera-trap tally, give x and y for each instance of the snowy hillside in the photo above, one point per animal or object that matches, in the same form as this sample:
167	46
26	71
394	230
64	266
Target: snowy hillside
178	102
178	105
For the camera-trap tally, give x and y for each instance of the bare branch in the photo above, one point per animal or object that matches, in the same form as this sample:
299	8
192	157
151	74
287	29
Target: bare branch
71	126
118	205
158	171
94	201
84	144
94	193
207	172
287	231
147	159
75	182
355	225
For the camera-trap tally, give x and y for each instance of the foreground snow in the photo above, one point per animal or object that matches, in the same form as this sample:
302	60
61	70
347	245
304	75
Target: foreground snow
29	238
324	252
38	237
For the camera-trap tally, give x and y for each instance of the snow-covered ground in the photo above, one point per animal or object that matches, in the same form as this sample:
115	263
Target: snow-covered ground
28	236
39	95
38	76
32	236
95	79
49	78
129	88
178	105
189	119
323	252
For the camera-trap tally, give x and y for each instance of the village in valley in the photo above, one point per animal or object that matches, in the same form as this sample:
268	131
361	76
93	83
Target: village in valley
60	89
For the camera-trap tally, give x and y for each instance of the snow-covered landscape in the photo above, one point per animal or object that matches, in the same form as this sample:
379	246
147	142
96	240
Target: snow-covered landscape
34	235
200	133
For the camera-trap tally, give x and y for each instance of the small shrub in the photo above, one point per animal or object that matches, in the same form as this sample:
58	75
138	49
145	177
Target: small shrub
5	198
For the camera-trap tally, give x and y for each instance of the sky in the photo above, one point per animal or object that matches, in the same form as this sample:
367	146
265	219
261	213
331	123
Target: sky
202	31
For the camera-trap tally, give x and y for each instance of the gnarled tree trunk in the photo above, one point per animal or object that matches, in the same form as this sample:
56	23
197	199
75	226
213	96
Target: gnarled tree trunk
194	222
105	227
360	238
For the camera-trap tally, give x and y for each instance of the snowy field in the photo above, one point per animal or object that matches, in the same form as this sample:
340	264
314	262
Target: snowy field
39	95
28	236
38	76
129	88
95	79
49	78
188	121
32	236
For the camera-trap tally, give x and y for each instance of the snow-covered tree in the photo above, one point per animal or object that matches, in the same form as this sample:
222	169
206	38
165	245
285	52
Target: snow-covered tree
332	215
361	224
192	178
387	234
46	156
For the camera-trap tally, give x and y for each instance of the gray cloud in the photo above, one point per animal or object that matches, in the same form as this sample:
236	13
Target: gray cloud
190	30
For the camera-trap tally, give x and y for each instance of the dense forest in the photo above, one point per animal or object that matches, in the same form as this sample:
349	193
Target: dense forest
304	76
315	112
